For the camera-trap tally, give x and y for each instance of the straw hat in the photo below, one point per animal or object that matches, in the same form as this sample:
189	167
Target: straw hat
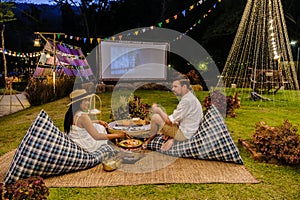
78	95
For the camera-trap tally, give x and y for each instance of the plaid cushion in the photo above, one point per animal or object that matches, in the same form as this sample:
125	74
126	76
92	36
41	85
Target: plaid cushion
212	141
45	151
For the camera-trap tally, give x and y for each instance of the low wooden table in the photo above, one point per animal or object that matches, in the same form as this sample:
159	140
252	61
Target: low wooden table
137	130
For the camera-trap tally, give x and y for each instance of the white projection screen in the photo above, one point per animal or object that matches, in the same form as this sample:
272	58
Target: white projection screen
133	60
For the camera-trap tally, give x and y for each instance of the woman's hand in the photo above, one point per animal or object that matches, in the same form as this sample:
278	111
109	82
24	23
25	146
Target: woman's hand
103	123
121	134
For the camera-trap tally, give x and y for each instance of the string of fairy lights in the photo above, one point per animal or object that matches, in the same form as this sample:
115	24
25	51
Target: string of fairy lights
272	34
260	53
160	24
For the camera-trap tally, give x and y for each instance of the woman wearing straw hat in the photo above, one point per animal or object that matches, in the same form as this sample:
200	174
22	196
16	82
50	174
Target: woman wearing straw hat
79	126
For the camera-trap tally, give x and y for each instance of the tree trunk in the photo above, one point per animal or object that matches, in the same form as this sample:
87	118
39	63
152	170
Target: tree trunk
3	54
84	12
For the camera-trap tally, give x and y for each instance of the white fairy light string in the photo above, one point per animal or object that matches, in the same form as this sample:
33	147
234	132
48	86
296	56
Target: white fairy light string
260	56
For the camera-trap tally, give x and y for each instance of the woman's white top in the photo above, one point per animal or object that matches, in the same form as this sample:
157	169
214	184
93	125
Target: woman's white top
81	137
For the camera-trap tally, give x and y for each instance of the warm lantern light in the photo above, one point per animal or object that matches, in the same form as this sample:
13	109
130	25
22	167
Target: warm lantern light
293	42
37	43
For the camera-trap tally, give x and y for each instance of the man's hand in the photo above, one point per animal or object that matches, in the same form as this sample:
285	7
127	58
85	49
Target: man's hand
165	137
154	107
144	145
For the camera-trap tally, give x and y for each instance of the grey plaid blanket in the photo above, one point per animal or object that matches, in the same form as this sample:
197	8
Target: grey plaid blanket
46	151
212	141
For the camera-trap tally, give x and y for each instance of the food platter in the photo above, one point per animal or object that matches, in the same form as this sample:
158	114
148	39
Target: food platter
130	143
137	128
131	122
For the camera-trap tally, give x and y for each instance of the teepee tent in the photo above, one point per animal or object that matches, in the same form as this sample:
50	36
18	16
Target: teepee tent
60	69
63	60
260	57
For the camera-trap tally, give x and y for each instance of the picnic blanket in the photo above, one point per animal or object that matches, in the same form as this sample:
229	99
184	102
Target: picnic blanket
153	168
46	151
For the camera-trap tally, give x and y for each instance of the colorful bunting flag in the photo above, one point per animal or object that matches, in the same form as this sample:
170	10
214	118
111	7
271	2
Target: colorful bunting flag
120	37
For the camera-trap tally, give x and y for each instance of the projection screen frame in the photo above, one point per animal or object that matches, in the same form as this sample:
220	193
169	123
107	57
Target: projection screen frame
125	43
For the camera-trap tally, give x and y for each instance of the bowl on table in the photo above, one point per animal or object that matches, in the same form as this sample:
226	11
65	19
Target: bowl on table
130	150
131	156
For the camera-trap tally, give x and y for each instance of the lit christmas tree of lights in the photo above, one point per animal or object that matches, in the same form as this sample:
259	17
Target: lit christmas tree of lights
260	57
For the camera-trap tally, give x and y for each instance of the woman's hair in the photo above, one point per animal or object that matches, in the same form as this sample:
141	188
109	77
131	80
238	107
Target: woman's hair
68	121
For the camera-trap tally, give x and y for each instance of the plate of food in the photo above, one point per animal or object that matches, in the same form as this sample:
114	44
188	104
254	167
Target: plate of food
130	143
123	122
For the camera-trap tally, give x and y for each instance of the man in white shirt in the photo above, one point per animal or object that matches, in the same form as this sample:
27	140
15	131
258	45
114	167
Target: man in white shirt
184	121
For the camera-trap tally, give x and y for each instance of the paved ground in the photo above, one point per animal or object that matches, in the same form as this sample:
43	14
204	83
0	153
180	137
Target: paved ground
13	103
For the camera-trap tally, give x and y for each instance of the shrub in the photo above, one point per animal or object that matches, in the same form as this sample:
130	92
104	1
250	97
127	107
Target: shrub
197	87
133	107
19	86
137	108
281	143
32	188
218	99
193	76
40	91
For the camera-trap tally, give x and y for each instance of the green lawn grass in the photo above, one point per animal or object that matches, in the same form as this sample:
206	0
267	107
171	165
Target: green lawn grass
276	182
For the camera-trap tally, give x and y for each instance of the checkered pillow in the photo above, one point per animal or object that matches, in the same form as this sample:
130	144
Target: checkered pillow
45	151
212	141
